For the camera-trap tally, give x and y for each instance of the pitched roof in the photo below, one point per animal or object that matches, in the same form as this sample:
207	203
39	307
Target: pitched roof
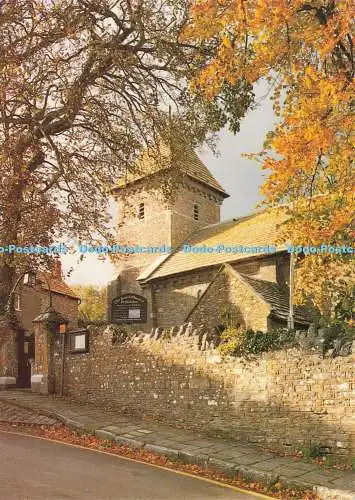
257	230
278	298
162	157
56	284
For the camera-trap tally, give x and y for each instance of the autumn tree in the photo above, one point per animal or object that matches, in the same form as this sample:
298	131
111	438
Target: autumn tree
83	85
92	308
304	49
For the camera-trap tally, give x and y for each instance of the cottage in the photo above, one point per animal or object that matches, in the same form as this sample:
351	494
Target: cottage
34	294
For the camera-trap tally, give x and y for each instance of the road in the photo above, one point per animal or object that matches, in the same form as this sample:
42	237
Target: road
37	469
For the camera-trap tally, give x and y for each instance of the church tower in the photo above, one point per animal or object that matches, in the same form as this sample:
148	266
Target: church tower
165	199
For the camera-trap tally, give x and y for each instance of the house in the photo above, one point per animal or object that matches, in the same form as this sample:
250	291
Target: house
34	294
182	264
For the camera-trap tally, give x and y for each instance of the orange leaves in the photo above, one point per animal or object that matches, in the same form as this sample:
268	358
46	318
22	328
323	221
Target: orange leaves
307	49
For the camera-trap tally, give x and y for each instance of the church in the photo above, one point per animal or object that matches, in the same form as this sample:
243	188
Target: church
173	201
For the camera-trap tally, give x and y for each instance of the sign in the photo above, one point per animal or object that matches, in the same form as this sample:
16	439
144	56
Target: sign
129	308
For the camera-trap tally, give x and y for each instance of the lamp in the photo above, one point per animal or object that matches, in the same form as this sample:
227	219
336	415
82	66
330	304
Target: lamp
62	328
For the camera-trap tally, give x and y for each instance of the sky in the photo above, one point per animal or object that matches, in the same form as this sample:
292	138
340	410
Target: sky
240	177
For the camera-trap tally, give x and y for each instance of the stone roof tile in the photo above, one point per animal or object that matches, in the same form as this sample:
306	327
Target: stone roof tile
157	159
257	230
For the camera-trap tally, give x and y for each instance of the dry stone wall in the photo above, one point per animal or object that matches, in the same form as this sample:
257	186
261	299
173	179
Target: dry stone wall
285	400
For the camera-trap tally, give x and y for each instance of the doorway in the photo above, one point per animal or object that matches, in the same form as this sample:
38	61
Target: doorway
26	354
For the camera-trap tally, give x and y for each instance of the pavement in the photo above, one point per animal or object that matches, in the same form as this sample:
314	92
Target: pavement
234	459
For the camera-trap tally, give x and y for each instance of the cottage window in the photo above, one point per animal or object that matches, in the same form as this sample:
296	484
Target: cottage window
134	313
196	212
29	279
17	302
141	211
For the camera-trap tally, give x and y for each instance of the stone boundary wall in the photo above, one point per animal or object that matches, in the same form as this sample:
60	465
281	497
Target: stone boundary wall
285	400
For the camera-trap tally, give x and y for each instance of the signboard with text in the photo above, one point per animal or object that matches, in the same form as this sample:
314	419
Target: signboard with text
129	308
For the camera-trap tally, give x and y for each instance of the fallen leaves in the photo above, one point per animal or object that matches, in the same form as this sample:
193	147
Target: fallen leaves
61	433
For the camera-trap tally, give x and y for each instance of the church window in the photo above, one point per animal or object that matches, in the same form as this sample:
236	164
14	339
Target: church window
196	211
141	211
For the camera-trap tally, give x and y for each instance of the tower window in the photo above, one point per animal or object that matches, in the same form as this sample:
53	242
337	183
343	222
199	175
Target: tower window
196	213
141	211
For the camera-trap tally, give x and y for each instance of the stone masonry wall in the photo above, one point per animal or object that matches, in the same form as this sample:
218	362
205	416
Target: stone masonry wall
244	306
8	350
285	400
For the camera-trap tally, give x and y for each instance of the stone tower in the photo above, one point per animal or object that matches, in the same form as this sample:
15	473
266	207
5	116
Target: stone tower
165	199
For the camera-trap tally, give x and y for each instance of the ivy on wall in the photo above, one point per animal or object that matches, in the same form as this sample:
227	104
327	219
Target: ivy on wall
243	343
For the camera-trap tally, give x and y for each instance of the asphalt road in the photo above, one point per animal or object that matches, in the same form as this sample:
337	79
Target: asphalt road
36	469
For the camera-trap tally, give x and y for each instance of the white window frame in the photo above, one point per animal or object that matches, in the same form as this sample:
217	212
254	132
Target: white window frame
17	302
141	211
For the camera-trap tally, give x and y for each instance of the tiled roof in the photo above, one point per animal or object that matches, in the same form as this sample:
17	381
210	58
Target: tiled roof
161	158
56	285
147	271
256	230
277	298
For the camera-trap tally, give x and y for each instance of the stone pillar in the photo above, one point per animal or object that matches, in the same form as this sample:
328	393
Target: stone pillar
8	356
46	327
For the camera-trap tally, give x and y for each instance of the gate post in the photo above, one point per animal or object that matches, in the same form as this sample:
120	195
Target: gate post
8	357
46	327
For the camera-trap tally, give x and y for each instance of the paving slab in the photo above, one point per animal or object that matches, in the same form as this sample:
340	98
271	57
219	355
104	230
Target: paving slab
232	458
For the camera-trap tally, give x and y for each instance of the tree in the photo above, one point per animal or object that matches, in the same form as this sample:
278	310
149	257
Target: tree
93	303
305	50
83	85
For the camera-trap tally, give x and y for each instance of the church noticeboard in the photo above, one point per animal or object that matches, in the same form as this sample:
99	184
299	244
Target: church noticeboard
129	308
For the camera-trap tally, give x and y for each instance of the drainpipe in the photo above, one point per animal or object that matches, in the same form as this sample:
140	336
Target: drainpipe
62	364
291	322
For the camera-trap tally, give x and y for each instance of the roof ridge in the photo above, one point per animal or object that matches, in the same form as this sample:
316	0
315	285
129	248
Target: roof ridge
186	160
252	278
55	280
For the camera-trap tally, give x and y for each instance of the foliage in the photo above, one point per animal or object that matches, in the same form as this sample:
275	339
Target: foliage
92	308
304	49
243	343
84	85
313	451
334	334
121	334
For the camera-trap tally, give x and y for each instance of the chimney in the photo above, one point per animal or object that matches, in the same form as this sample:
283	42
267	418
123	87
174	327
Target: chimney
57	269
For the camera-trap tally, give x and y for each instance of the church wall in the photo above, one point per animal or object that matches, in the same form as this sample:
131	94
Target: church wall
174	297
261	268
283	269
151	231
229	293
